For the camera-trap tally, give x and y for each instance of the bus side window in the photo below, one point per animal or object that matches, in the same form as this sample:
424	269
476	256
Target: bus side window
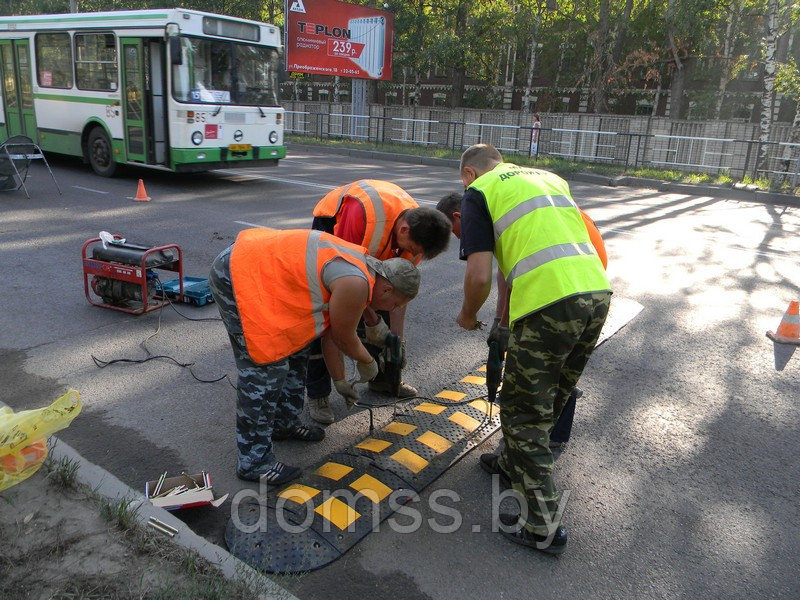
54	60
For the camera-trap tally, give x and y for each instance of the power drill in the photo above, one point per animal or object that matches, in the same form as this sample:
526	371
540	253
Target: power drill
392	361
494	371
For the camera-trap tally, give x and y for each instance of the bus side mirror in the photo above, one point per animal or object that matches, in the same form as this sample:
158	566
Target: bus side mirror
176	56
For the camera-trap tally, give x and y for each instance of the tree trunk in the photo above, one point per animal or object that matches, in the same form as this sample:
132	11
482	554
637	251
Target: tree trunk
727	55
459	72
621	33
600	62
679	72
770	69
526	99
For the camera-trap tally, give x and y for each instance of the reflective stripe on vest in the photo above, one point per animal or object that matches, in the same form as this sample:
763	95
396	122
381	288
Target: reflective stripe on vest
541	243
383	202
537	259
318	304
526	207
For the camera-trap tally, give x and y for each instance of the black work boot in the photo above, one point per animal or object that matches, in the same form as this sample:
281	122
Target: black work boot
278	474
490	463
523	537
300	432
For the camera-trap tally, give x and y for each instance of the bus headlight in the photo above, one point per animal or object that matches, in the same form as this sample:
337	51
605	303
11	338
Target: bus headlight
273	137
197	138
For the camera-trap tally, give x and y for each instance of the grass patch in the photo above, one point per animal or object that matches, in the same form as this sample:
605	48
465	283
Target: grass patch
562	166
61	472
120	513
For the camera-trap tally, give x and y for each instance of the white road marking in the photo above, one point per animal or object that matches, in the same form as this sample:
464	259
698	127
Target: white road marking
251	224
78	187
281	180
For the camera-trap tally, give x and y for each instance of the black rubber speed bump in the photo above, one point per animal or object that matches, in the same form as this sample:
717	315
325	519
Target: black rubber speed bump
309	524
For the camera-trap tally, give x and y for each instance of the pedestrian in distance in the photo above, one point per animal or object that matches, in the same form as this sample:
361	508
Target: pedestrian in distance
277	292
385	219
553	299
536	129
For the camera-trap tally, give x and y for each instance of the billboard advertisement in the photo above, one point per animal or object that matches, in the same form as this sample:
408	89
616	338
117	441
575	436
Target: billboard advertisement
327	37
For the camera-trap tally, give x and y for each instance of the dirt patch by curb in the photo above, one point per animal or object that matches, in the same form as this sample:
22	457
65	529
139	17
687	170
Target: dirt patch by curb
61	541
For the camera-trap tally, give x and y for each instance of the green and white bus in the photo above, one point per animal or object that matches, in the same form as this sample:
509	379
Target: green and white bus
177	90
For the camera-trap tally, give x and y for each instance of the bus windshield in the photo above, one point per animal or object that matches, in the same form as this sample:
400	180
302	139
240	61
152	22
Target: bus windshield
221	72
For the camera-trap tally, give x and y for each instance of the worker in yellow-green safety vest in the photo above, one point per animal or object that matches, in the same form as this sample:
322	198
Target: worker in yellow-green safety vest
555	297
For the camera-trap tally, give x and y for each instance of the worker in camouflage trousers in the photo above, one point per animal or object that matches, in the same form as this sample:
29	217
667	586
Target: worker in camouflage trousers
277	292
269	399
553	299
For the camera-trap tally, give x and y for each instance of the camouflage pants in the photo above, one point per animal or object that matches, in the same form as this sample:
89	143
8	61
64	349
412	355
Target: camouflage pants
269	397
547	353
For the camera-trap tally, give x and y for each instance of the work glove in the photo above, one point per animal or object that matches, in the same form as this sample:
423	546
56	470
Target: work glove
376	334
500	335
367	371
348	391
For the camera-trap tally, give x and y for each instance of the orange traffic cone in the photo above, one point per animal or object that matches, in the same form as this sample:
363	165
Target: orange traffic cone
789	329
141	194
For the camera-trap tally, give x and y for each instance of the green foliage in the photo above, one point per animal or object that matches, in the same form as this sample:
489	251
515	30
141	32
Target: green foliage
787	80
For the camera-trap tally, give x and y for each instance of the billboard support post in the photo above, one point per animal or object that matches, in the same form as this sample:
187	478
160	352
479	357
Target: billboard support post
359	97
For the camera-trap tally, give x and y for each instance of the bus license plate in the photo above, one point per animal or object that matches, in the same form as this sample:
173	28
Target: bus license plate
240	147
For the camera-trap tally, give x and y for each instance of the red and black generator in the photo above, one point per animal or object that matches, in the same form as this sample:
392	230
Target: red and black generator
123	276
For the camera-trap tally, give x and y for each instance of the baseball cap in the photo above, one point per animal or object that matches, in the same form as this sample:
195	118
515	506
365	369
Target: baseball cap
401	273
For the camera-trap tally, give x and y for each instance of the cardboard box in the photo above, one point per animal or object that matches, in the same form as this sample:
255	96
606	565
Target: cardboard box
201	496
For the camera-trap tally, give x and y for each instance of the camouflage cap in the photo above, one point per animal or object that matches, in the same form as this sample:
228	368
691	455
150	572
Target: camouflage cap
401	273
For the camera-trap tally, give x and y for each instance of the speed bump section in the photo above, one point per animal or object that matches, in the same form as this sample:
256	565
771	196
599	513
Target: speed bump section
337	512
371	488
373	445
399	428
350	492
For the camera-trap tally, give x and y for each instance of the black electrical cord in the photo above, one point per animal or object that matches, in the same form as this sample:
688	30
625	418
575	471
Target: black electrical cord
101	364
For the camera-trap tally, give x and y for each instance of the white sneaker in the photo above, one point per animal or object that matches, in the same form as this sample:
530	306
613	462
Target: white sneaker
320	410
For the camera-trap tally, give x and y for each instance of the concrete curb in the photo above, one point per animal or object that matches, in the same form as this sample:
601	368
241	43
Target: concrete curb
105	484
607	180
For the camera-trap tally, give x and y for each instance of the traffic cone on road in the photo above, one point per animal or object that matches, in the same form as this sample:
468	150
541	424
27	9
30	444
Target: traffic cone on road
141	194
789	329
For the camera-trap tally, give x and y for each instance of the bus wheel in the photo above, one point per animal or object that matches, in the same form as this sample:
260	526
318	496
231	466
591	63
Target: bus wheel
100	153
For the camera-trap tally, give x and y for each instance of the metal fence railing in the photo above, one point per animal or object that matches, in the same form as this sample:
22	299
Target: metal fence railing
739	158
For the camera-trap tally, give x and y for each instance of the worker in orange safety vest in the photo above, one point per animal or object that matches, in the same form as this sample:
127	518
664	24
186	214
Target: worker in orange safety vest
277	292
385	219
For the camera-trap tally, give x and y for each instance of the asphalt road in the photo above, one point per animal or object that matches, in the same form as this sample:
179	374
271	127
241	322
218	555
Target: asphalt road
682	468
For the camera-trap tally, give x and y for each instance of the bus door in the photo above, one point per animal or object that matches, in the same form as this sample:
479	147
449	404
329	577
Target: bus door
134	105
18	88
156	84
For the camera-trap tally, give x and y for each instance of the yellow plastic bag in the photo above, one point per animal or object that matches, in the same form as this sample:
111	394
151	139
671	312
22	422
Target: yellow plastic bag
23	436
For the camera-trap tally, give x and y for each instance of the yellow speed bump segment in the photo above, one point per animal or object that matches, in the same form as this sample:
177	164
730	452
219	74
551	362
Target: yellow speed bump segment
433	409
371	488
413	462
467	422
474	379
333	470
435	442
399	428
484	406
451	395
298	493
337	512
373	445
